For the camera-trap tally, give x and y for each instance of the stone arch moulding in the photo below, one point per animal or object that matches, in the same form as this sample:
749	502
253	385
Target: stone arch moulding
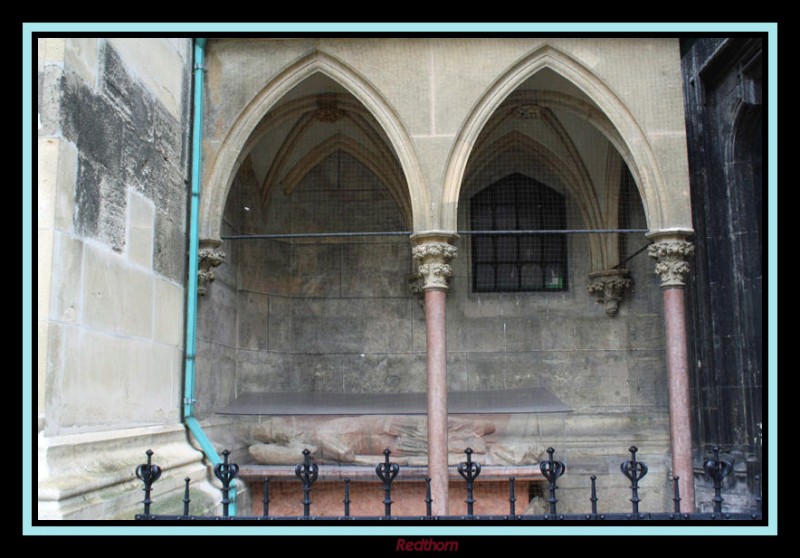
623	131
220	171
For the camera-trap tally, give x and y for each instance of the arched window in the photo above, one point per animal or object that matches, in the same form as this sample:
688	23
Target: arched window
513	256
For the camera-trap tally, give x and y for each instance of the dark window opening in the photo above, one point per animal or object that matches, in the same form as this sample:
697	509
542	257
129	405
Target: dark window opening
518	262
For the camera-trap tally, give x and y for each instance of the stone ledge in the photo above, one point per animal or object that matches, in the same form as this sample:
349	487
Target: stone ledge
92	475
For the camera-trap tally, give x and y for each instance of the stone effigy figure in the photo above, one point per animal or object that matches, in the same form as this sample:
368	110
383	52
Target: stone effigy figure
361	440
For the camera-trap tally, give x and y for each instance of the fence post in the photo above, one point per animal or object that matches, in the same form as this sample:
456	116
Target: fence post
307	472
470	472
347	497
387	472
186	499
551	470
428	499
265	498
512	499
635	471
717	469
148	474
226	472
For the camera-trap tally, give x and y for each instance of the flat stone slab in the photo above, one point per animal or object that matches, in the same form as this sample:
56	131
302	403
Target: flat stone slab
517	401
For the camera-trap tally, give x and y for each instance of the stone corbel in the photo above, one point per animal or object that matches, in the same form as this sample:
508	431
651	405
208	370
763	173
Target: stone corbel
671	263
209	257
610	288
432	254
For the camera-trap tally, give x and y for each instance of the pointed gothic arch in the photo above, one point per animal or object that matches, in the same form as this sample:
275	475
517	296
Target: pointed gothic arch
608	114
241	137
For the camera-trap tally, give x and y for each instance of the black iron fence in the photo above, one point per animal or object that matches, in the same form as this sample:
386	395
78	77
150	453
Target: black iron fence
307	474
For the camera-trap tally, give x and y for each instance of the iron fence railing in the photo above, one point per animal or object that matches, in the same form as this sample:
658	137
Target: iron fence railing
307	473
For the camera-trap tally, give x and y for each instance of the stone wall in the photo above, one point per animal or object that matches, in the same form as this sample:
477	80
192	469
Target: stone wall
112	221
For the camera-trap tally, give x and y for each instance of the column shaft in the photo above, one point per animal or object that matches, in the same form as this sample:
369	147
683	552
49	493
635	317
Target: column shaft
437	399
679	401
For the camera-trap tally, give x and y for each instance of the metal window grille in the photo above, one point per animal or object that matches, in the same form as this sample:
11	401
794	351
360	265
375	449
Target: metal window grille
518	262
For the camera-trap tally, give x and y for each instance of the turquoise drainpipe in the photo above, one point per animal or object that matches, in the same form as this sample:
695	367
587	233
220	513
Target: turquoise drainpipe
194	247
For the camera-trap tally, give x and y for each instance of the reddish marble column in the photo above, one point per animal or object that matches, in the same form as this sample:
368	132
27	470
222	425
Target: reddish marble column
670	253
437	398
432	252
680	420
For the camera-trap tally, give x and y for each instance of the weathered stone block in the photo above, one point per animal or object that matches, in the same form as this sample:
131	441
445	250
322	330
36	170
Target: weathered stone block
168	137
646	332
216	378
42	341
91	122
523	334
39	96
152	383
44	243
113	218
376	269
253	320
216	315
140	230
601	378
291	372
481	335
263	265
339	325
100	204
50	49
168	307
128	95
648	378
157	65
88	383
259	370
170	193
524	369
117	297
486	371
67	288
80	56
601	333
315	270
169	250
46	181
558	333
380	373
87	199
457	371
140	167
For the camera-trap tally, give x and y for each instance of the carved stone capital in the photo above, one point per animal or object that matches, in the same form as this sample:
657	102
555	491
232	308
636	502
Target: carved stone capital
432	254
435	251
209	256
435	276
671	263
610	288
